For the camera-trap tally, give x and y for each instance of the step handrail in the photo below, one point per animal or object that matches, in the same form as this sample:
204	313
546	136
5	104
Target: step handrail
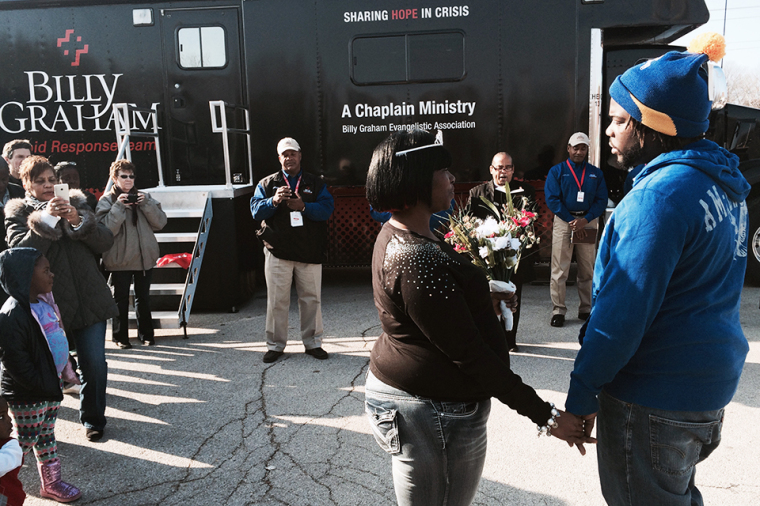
221	107
124	132
193	272
123	129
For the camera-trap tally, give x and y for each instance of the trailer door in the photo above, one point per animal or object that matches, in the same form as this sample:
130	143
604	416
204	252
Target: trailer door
202	62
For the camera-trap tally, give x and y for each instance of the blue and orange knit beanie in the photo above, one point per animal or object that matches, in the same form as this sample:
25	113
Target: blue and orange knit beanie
670	94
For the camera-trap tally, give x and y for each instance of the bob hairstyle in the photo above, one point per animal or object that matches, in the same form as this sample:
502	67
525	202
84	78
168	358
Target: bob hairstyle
123	165
32	167
395	182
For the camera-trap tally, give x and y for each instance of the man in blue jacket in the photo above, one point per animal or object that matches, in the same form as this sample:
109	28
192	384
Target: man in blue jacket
294	206
663	349
576	193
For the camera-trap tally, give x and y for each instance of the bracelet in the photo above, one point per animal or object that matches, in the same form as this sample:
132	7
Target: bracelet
551	423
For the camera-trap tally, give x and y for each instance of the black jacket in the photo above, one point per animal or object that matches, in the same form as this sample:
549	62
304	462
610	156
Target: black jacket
306	244
14	192
488	191
29	373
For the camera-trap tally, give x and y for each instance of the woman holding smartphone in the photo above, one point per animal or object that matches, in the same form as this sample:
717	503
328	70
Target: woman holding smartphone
61	225
132	217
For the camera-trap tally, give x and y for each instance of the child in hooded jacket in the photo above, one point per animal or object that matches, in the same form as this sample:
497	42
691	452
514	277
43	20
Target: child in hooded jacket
34	352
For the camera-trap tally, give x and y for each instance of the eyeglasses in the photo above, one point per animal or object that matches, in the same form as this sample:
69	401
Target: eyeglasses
504	168
127	176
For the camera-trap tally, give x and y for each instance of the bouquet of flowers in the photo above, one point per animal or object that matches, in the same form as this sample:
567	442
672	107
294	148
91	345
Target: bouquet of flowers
495	244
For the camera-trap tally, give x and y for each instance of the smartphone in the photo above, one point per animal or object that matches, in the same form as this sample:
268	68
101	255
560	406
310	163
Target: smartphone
62	191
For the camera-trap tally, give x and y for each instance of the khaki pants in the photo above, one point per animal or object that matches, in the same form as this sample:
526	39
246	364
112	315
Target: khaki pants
279	277
562	253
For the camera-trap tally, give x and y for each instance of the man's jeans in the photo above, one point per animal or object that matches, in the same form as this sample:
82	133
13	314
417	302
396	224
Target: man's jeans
648	456
91	355
438	448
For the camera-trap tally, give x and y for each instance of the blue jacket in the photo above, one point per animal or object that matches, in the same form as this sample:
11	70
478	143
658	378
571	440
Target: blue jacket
561	191
263	208
664	331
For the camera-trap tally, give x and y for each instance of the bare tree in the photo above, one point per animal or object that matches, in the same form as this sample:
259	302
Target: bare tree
743	86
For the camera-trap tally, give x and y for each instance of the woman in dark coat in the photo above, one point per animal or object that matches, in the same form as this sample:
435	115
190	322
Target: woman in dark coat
68	234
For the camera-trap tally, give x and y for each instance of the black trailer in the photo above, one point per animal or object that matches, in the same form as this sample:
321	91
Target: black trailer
338	75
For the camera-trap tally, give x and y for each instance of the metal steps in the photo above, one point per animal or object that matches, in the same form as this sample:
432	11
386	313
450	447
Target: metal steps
188	213
176	236
161	319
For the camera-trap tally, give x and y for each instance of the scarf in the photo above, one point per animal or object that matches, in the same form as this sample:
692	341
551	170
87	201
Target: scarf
36	203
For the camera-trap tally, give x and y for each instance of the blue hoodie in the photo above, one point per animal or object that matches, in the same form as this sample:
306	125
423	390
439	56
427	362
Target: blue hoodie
664	331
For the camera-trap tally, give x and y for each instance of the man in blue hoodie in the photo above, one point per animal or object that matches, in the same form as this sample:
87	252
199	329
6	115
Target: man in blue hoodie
663	349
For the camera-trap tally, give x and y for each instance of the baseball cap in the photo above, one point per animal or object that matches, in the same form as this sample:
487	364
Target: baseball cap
286	144
579	138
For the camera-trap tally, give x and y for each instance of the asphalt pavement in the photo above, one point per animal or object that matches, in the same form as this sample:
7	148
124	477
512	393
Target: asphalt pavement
204	421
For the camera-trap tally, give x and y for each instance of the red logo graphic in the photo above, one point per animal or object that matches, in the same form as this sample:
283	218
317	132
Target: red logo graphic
77	52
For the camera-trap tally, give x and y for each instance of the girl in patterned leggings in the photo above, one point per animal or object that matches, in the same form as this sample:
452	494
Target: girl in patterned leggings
35	356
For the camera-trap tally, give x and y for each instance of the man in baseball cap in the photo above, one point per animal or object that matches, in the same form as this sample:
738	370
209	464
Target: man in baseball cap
576	193
294	207
664	349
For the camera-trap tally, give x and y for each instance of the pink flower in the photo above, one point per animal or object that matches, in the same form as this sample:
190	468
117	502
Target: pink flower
449	234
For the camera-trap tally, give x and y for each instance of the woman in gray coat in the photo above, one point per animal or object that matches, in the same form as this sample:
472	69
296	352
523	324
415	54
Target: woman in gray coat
132	217
68	234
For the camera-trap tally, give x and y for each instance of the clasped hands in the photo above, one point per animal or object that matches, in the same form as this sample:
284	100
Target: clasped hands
61	208
575	430
578	225
285	194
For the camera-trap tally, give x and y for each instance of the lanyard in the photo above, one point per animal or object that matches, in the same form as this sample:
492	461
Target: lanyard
298	183
583	176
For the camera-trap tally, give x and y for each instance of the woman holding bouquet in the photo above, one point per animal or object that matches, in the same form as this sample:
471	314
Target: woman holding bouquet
442	354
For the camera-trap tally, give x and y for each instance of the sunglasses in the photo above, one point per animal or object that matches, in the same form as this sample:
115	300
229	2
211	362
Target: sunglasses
127	176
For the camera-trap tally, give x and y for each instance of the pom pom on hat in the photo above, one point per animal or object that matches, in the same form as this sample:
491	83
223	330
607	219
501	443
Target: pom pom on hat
669	94
712	44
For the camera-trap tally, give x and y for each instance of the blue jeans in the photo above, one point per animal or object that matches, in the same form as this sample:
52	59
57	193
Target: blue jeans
438	448
91	354
648	456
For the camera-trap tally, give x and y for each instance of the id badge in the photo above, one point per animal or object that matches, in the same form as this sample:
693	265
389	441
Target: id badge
296	219
580	196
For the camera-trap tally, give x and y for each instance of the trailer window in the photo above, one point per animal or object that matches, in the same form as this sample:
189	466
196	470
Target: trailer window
379	60
436	57
201	47
409	58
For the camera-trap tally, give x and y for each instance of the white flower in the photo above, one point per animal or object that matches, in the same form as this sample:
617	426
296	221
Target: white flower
487	228
515	244
499	243
483	251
